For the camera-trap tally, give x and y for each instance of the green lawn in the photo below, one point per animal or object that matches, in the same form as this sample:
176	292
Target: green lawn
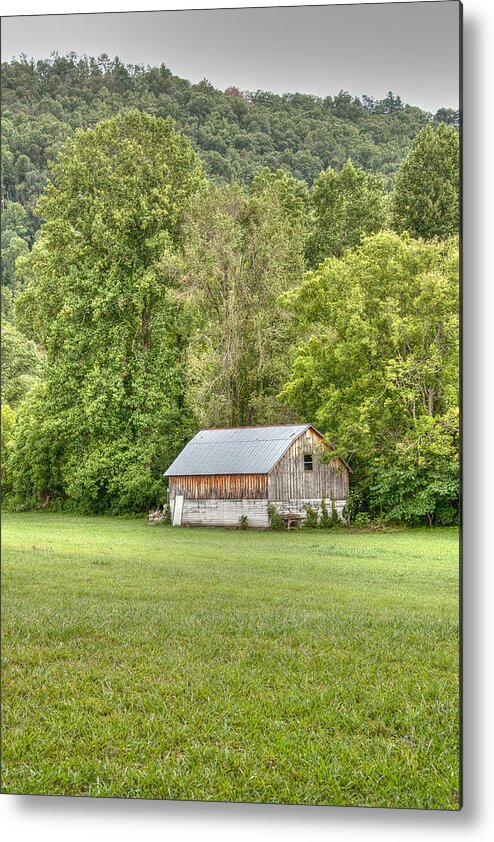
315	667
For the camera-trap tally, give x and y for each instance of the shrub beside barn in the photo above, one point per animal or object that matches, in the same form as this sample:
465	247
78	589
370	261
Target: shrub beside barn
225	475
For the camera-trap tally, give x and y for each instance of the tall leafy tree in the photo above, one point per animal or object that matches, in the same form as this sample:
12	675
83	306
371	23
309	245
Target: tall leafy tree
347	204
243	251
110	412
426	197
377	370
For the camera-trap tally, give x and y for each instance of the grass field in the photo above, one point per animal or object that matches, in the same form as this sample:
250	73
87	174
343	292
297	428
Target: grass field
315	667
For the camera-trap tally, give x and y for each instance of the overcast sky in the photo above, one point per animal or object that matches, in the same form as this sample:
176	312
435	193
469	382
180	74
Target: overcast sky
409	48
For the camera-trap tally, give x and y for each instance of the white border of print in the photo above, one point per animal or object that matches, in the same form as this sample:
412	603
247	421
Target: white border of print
55	818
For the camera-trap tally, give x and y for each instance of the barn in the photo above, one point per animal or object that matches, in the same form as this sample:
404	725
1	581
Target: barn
224	475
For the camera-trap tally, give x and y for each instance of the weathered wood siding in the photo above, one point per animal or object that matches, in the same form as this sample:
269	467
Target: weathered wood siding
289	481
225	513
220	487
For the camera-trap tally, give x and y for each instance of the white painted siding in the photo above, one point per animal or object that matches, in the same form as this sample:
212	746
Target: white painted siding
300	506
225	512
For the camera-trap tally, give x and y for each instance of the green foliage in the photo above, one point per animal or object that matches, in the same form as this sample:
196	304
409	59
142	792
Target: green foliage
111	411
242	251
423	480
362	519
235	133
311	518
152	303
243	522
8	431
378	371
346	205
275	519
22	364
426	197
290	195
7	303
325	520
14	241
32	474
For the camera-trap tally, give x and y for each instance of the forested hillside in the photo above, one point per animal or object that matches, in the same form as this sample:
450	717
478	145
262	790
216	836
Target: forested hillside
175	256
234	132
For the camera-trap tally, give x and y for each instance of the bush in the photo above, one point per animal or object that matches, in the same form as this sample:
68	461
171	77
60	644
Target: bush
311	520
243	522
362	519
335	521
275	519
325	522
446	514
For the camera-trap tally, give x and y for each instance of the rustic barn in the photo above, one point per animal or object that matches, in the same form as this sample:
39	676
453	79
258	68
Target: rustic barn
223	475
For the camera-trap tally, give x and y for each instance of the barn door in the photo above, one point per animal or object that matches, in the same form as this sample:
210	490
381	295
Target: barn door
177	510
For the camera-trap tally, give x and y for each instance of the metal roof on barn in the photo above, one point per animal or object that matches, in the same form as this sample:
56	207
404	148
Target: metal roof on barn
239	450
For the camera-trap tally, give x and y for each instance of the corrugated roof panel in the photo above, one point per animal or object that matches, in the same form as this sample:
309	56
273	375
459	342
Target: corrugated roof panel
242	450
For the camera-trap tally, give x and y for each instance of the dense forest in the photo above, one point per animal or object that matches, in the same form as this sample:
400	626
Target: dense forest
174	256
234	132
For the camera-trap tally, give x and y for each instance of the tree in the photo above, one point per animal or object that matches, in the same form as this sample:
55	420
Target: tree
346	205
110	413
449	116
7	306
7	433
13	247
426	197
14	240
235	134
22	364
242	252
290	195
377	370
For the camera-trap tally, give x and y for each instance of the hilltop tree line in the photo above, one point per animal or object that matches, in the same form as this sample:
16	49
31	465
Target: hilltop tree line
156	299
234	132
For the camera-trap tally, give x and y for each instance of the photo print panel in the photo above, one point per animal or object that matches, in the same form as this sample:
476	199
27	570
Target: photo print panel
230	405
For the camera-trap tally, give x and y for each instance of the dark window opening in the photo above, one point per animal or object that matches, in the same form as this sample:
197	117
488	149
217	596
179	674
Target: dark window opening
308	462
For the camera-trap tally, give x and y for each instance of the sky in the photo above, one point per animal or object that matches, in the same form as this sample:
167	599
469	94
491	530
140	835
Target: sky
409	48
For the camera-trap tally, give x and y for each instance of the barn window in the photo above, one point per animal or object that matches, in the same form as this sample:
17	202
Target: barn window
308	462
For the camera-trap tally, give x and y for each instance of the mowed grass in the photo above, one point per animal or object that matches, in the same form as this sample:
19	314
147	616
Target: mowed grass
311	667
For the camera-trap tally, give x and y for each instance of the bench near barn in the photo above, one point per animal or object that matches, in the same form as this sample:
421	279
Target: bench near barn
225	474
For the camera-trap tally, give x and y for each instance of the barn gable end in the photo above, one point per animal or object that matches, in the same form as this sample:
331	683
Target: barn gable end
290	480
